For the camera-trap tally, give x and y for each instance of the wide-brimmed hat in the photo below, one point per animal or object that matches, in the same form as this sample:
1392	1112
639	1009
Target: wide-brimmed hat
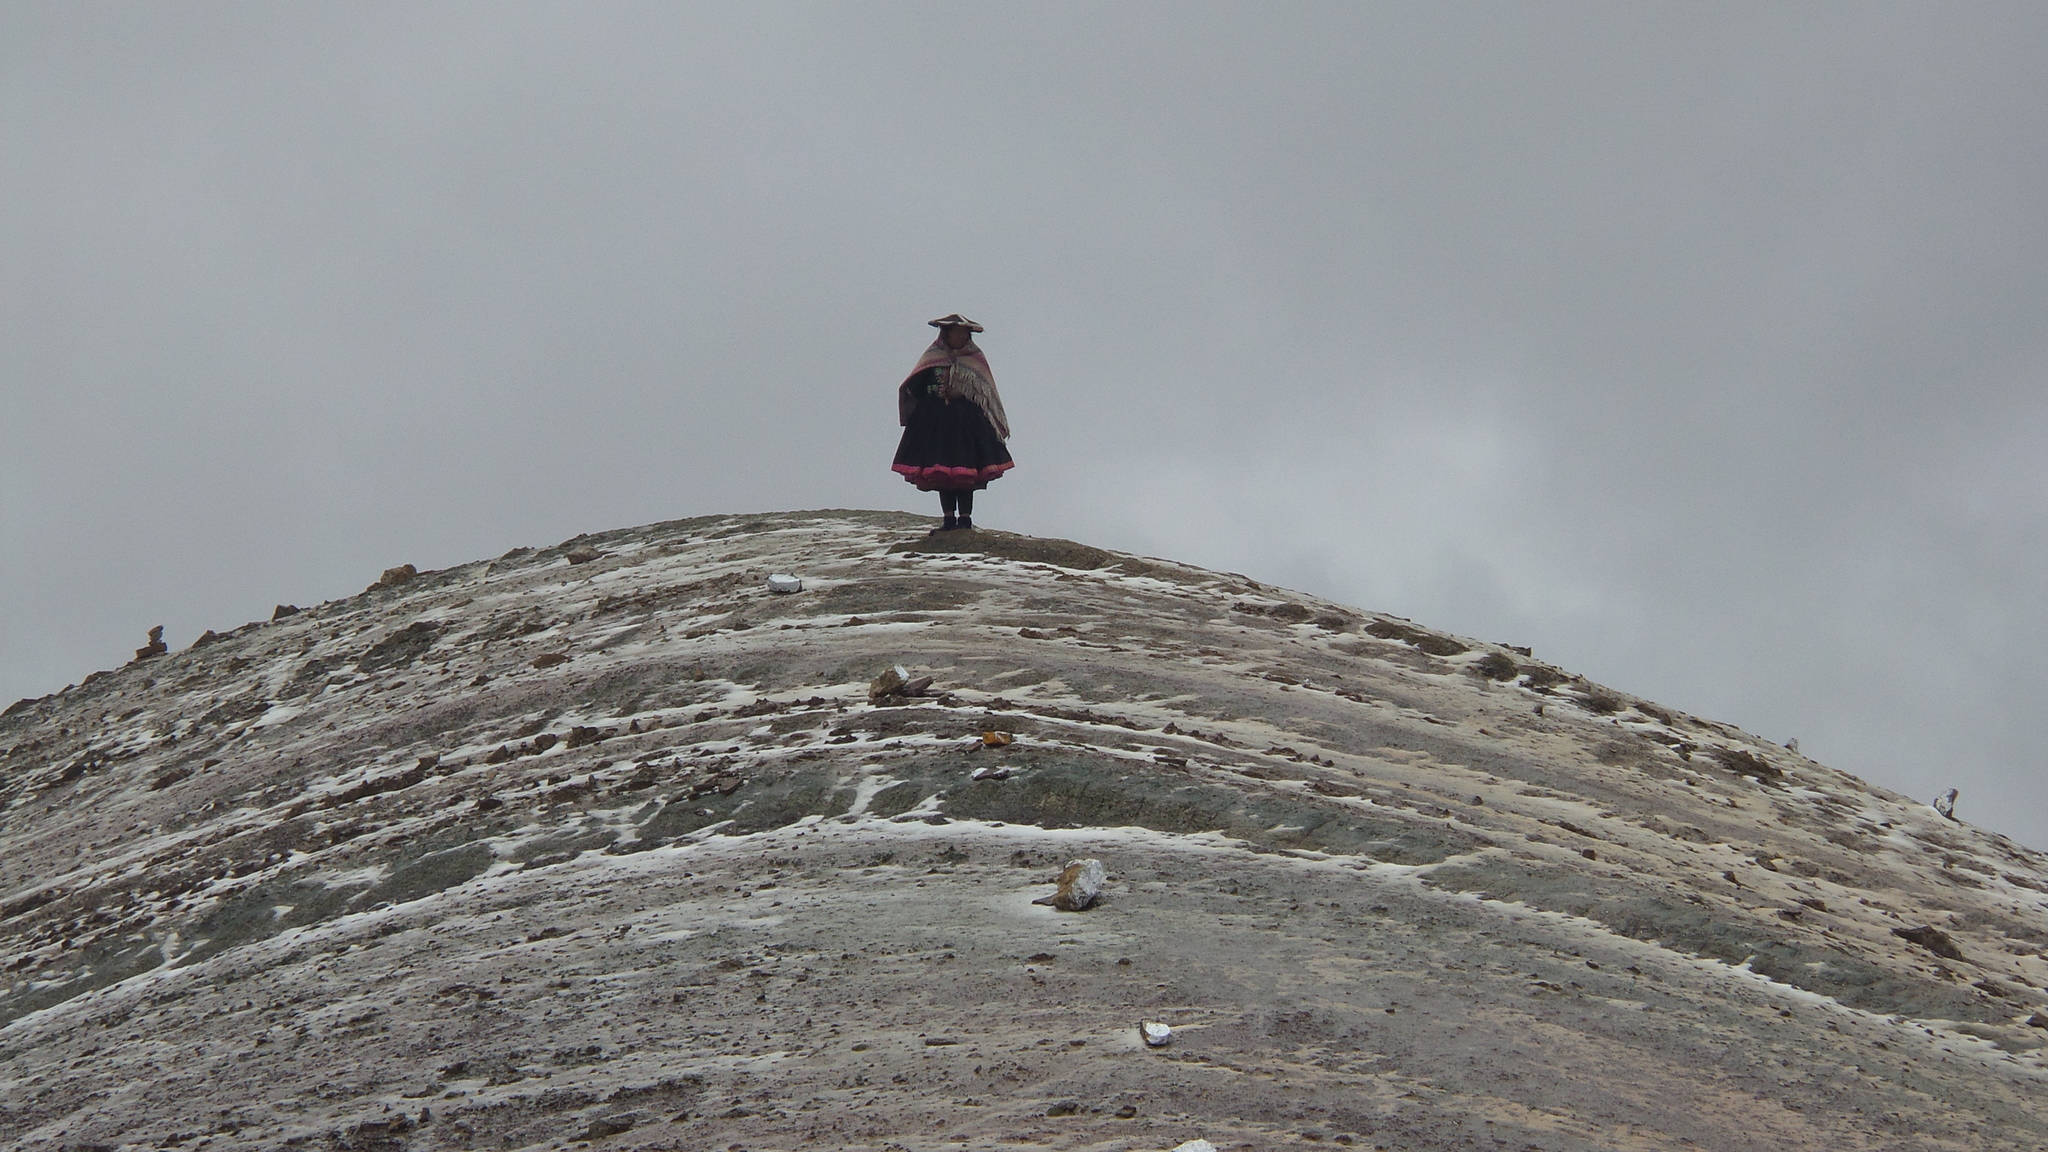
956	319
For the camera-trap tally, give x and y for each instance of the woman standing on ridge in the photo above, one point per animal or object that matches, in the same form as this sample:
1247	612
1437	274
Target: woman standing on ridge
953	422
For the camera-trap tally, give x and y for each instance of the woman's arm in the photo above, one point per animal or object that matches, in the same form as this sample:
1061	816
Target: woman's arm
908	393
920	385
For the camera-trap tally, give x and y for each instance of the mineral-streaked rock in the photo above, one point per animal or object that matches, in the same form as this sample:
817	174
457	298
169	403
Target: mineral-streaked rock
1155	1035
1079	884
1946	804
279	889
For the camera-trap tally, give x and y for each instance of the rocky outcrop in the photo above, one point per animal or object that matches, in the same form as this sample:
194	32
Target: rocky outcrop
611	842
156	645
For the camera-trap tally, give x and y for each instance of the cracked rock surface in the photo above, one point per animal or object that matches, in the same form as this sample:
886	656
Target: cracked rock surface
608	843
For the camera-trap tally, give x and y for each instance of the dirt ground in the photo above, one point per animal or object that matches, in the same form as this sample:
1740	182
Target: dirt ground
605	845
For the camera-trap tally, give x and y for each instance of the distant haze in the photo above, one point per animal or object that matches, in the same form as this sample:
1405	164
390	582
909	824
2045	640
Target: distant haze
1705	348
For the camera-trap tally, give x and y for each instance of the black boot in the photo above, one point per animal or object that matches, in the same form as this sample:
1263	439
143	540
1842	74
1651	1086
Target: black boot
966	524
948	526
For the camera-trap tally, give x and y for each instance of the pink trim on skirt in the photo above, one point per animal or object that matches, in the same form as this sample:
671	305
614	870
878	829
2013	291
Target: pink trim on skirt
940	477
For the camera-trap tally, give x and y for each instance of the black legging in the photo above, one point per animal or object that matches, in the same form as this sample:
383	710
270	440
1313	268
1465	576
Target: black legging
960	500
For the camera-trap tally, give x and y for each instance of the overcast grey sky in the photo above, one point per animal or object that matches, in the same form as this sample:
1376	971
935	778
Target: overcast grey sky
1703	347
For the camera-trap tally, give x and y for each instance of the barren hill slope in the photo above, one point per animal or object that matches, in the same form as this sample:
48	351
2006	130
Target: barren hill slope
608	842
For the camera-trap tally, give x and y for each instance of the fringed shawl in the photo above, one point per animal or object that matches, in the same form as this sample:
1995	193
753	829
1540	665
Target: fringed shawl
971	378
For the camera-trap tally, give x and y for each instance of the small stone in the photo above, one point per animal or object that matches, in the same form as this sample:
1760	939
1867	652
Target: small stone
549	660
1156	1035
1946	804
784	583
284	610
939	1041
1933	939
1064	1108
1589	854
207	637
997	739
1079	885
156	645
1127	1111
1194	1146
2037	1021
999	773
584	555
888	684
393	577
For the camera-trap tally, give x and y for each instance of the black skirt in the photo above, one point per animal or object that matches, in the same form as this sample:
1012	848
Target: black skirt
948	444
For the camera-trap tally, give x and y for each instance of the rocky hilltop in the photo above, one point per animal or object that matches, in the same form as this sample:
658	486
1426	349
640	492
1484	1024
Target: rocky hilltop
610	842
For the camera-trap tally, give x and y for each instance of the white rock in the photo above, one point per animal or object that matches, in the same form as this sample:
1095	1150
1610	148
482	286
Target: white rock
784	583
1156	1035
1079	884
1946	804
1195	1146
